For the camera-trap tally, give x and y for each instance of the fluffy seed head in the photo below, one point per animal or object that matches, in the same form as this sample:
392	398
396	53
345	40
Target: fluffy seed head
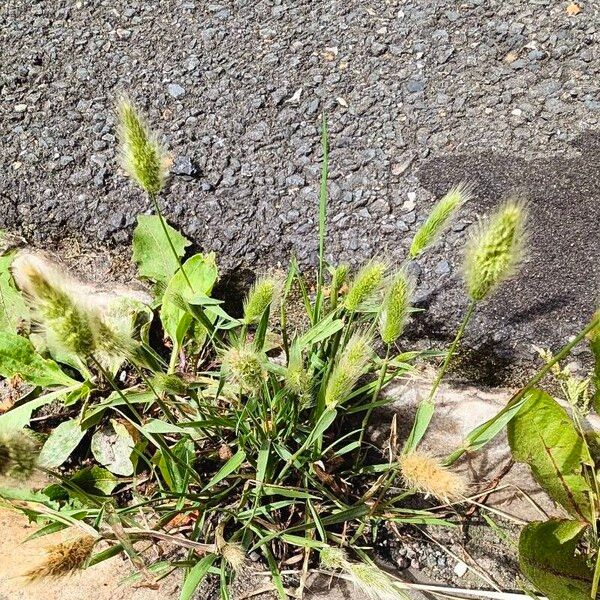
18	454
439	218
63	559
394	310
56	307
333	558
495	251
141	155
71	315
263	293
245	367
427	475
235	556
169	383
297	378
365	285
371	580
352	363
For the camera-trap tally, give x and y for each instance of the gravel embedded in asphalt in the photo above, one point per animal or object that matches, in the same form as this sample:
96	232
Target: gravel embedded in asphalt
419	95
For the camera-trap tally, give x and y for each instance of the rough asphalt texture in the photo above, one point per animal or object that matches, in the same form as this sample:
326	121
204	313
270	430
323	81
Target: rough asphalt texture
419	95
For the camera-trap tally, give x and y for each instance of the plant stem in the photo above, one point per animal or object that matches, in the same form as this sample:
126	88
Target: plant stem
322	215
452	350
376	392
427	407
166	232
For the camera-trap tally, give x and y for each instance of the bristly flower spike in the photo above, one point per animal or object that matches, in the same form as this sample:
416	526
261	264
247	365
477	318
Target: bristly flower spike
352	363
297	378
64	559
18	454
142	156
371	580
365	285
395	308
56	307
439	219
262	294
495	251
427	475
245	367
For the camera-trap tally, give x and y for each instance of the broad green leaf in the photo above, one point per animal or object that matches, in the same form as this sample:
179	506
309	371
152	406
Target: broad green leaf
229	467
197	573
60	443
547	555
543	436
202	273
151	249
18	357
95	480
13	309
19	417
112	446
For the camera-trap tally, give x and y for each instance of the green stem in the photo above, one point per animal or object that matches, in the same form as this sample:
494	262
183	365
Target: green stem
322	216
166	232
376	392
451	351
596	578
427	407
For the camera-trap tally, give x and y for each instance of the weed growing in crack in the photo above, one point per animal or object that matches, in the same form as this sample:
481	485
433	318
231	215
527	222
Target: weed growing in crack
227	437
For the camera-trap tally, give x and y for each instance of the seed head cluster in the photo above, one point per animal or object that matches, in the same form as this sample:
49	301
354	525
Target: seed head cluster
63	559
352	363
427	475
142	157
365	285
495	250
439	219
395	307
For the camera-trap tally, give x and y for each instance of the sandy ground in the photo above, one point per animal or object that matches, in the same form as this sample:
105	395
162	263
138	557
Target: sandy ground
101	582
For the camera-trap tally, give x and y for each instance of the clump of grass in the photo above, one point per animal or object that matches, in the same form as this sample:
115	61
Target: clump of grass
253	430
